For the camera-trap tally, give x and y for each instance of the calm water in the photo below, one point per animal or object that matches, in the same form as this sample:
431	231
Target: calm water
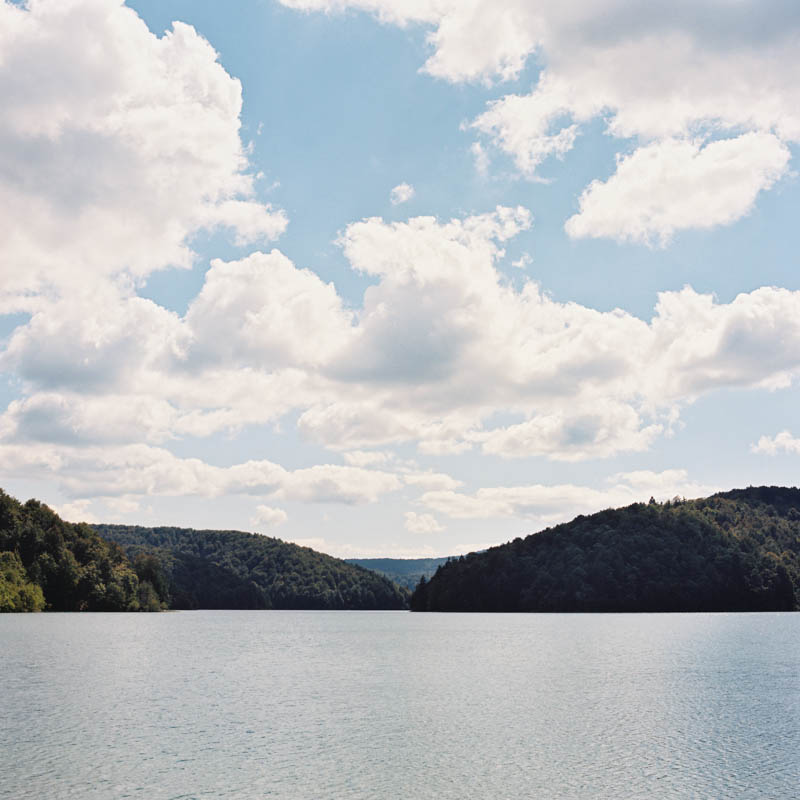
394	705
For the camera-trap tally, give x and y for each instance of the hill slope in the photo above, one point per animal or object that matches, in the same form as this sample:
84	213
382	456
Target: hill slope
231	569
733	551
46	563
403	571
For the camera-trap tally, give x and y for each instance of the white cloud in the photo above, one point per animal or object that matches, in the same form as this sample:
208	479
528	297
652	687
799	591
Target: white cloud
575	434
76	511
422	523
523	262
471	41
122	505
658	73
431	481
268	516
675	184
781	442
523	126
699	344
264	339
481	157
284	316
559	503
137	470
115	147
330	483
401	193
367	458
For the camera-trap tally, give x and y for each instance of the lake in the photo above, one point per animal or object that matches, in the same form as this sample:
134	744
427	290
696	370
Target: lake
271	704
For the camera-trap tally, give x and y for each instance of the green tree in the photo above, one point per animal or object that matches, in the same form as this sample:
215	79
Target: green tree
17	592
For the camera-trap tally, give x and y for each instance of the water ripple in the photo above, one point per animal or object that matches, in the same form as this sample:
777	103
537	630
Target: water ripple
296	705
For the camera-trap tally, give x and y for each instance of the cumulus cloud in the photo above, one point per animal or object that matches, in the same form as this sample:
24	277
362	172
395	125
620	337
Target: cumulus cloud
285	316
137	470
558	503
367	458
660	75
268	516
781	442
676	184
401	193
77	511
441	344
575	434
431	481
422	523
116	146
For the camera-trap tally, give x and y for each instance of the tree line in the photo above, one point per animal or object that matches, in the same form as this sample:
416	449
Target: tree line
49	564
733	551
232	569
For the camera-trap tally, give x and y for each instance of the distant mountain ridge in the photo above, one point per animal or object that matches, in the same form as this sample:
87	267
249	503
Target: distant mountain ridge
403	571
233	569
733	551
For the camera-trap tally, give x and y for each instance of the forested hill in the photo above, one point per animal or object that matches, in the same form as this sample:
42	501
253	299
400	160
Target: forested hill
405	571
733	551
231	569
49	564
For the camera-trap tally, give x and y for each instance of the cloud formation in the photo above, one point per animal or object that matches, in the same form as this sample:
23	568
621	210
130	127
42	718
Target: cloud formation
441	344
269	517
422	523
116	146
547	505
677	184
667	77
781	442
401	193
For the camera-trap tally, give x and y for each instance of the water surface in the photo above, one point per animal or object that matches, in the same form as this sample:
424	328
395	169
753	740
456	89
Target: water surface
265	704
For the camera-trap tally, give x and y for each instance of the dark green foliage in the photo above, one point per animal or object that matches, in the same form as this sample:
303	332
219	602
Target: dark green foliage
230	569
17	592
734	551
404	571
70	565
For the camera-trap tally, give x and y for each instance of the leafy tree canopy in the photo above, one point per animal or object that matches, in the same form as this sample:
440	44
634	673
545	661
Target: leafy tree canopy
47	563
733	551
231	569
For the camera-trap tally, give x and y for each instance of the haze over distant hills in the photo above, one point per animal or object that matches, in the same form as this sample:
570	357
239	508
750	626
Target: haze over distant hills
403	571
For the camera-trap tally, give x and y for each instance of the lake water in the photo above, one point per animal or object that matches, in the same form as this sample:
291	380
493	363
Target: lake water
266	704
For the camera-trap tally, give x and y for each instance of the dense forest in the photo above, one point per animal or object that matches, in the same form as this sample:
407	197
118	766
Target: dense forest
49	564
231	569
733	551
404	571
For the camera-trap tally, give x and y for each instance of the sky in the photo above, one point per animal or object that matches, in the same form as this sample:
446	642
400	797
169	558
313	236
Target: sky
396	277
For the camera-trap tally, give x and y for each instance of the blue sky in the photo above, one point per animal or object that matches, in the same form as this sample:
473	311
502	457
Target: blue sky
395	278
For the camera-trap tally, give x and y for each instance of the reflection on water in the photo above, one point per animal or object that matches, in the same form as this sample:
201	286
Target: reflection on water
227	704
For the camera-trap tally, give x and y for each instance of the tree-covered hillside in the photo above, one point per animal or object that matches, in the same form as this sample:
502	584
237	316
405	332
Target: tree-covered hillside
231	569
404	571
733	551
46	563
